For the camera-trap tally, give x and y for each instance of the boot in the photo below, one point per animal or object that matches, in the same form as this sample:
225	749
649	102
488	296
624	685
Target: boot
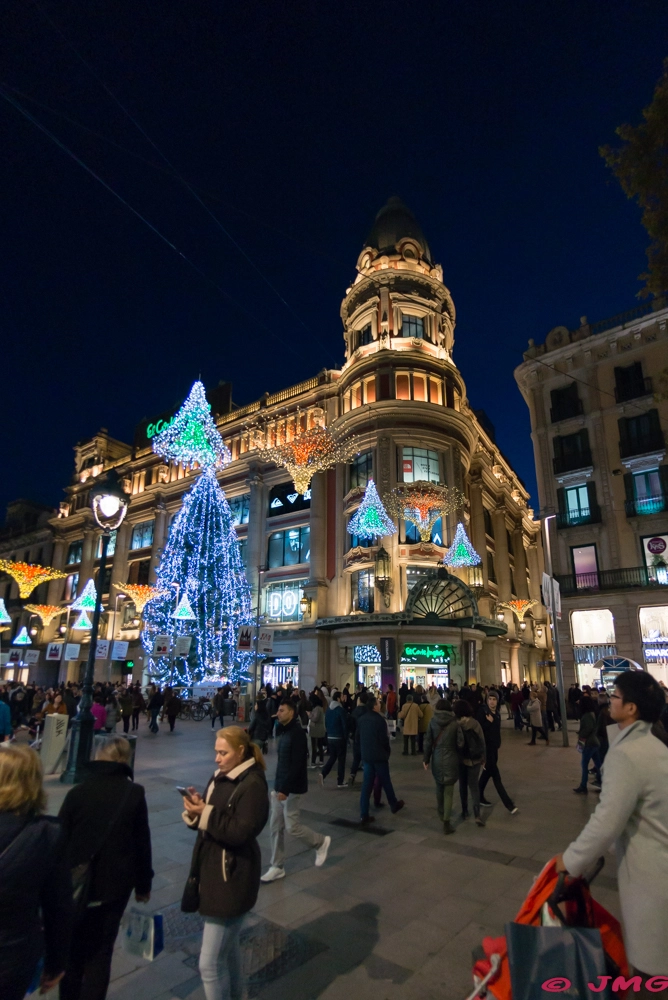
447	828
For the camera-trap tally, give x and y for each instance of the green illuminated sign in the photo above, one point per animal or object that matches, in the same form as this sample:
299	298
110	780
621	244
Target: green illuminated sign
428	654
159	425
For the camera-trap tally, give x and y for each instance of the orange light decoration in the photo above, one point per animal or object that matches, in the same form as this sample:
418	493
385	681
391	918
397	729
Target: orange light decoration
29	576
310	451
140	593
422	504
518	607
45	612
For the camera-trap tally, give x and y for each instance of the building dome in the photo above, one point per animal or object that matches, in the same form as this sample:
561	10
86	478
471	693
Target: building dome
396	222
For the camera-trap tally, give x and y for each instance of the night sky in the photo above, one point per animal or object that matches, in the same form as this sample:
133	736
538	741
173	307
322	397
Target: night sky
295	122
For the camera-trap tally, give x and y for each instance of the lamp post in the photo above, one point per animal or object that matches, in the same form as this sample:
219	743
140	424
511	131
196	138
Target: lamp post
110	503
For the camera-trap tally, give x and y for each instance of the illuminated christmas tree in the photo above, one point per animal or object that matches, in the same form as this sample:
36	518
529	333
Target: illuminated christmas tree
87	598
192	437
370	520
461	552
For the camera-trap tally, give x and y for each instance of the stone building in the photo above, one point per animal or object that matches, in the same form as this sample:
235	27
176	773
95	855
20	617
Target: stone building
598	401
331	598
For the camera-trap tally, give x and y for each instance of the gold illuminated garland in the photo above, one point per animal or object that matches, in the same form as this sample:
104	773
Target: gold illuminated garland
309	452
140	593
422	504
45	612
518	607
29	576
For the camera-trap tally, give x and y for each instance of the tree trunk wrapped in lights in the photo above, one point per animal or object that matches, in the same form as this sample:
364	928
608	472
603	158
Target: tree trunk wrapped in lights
309	451
422	504
29	576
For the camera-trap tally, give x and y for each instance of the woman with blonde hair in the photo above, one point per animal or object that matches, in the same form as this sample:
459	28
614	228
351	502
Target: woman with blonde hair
225	872
35	885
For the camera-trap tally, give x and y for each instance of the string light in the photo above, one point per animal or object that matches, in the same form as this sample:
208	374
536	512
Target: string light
87	599
22	639
45	612
422	504
518	607
29	576
5	617
461	552
140	593
184	612
370	519
192	437
310	451
82	622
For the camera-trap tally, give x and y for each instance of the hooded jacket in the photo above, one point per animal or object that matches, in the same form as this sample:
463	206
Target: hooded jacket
335	721
291	776
443	738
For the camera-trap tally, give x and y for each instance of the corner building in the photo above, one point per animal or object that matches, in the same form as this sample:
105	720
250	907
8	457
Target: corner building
330	597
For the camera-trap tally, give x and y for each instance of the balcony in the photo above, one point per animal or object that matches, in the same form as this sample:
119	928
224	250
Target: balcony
586	515
573	408
646	505
612	579
635	389
642	445
571	463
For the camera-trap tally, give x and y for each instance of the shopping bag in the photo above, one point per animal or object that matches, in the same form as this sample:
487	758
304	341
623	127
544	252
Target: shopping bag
543	958
143	934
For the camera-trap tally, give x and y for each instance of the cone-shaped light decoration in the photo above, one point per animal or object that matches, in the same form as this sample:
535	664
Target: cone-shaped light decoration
461	552
86	599
22	639
140	593
45	612
184	611
309	452
82	621
422	504
370	520
192	437
28	576
5	618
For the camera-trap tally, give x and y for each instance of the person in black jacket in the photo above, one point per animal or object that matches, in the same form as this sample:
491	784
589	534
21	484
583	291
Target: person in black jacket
353	719
261	725
105	823
155	703
490	721
373	741
226	858
35	883
290	783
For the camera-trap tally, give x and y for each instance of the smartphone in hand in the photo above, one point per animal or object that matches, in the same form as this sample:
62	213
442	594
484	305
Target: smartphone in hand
183	791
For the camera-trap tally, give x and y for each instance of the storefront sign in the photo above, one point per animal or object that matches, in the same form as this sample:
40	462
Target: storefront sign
72	650
284	499
54	651
388	662
265	640
161	645
119	650
283	600
426	654
655	550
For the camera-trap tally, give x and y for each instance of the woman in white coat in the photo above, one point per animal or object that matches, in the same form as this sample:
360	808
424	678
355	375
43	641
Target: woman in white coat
633	814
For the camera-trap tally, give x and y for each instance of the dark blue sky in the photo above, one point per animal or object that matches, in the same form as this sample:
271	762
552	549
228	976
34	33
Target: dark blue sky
295	121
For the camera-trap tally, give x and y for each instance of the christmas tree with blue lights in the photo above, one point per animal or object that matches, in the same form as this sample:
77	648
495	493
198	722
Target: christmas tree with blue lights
370	519
201	570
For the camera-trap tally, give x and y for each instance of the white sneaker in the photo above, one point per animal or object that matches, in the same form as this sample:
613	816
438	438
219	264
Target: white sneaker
321	852
321	780
513	810
273	874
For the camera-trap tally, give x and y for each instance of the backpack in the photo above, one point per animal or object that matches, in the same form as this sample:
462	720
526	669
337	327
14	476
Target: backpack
474	745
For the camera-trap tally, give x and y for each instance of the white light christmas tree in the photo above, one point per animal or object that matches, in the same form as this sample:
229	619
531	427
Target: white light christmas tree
5	618
22	639
192	438
184	613
370	520
461	552
83	622
87	599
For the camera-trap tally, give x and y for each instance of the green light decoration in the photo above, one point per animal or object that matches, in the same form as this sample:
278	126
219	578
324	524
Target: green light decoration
5	618
192	438
461	552
86	600
370	520
22	639
83	622
184	611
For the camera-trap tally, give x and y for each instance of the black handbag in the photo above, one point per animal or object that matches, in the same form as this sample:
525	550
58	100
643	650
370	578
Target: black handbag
190	898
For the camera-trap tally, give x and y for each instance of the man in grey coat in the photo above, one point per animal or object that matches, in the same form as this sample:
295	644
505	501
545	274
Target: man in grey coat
443	740
633	814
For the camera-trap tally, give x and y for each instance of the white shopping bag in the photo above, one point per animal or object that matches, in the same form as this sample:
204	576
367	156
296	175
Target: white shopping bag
392	725
143	934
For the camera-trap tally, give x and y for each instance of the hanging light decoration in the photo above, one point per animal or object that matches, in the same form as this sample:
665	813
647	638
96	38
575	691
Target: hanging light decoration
140	593
370	520
83	622
519	608
22	639
184	611
461	552
45	612
5	617
423	503
308	452
191	437
29	576
383	574
87	599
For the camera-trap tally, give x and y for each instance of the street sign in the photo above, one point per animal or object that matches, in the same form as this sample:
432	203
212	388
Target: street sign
161	645
245	639
182	645
265	640
119	650
72	650
102	649
54	650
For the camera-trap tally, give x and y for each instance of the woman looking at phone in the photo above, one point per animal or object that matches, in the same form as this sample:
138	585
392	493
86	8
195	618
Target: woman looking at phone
226	859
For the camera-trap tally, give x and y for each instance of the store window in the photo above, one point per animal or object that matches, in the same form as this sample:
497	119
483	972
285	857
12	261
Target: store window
362	584
72	587
74	552
413	535
594	627
240	507
419	464
655	552
282	601
654	634
142	535
412	326
138	571
289	547
111	547
361	470
585	566
414	574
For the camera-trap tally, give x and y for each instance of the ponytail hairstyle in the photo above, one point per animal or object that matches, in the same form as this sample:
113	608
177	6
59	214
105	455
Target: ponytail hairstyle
238	738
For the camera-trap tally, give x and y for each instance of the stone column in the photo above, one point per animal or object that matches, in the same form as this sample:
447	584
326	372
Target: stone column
158	540
521	587
478	536
256	548
514	648
534	571
57	587
501	559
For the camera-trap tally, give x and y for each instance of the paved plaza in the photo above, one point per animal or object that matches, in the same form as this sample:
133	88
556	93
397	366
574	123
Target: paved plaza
397	908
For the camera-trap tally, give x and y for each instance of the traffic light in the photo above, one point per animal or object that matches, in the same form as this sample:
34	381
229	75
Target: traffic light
129	666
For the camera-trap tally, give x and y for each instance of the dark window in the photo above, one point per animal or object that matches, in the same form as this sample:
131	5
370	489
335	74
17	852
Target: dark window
629	383
565	402
240	507
385	386
571	451
289	547
74	553
364	336
284	499
106	582
491	569
412	326
72	587
487	517
414	574
413	535
362	583
142	535
640	434
364	543
509	542
361	469
138	571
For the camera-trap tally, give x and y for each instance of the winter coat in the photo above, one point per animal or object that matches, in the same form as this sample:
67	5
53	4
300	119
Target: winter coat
35	900
6	728
156	701
335	722
427	713
125	703
541	694
138	702
587	731
108	795
516	700
442	740
316	726
391	702
633	814
354	718
490	730
534	712
291	776
469	723
113	714
260	727
227	854
552	703
411	713
100	715
371	738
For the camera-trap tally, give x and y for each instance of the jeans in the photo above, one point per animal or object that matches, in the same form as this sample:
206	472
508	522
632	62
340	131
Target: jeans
590	754
492	771
337	752
406	739
89	965
444	796
153	724
517	716
126	723
317	748
217	715
285	816
171	719
135	718
220	941
372	770
535	730
468	782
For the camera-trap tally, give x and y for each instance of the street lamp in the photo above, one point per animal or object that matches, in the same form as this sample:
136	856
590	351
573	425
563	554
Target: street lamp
110	503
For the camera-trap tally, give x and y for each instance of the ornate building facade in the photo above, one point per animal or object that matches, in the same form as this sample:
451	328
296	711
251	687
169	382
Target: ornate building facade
332	598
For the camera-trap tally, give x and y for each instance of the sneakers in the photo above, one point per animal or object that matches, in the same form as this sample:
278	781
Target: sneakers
321	780
447	828
273	874
351	779
580	791
484	802
513	810
367	819
400	805
344	785
321	852
313	767
479	821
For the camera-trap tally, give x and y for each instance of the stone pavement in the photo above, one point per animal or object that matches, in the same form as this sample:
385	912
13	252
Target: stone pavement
395	911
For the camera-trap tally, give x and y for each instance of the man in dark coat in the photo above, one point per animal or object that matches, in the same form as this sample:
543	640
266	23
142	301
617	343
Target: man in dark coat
355	715
105	818
490	721
371	737
290	783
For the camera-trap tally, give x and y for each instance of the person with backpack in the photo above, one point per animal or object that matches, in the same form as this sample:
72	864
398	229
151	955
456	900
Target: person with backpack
489	718
472	757
442	742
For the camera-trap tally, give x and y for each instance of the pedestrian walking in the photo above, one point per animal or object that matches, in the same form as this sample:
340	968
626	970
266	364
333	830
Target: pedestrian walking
443	742
6	729
226	861
35	886
112	714
336	725
373	745
260	726
516	702
632	814
125	707
411	714
290	783
472	757
218	708
316	730
427	710
138	706
489	718
552	707
172	707
99	713
357	712
535	713
588	745
155	703
391	703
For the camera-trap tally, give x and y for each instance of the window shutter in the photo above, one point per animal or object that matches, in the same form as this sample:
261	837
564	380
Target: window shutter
663	479
591	494
623	435
561	501
628	485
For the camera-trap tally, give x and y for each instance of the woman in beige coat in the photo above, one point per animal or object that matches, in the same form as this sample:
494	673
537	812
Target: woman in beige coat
411	714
